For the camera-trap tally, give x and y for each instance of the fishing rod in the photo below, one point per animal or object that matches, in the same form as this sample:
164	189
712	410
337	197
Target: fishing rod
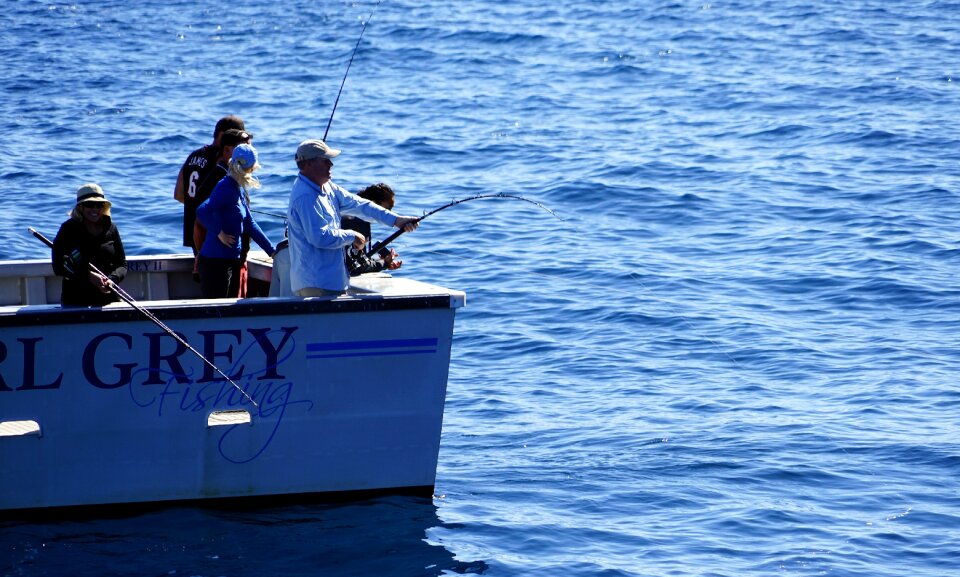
150	316
335	102
350	63
359	259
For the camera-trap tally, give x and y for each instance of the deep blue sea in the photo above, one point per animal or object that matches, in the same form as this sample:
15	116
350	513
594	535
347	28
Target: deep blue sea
737	354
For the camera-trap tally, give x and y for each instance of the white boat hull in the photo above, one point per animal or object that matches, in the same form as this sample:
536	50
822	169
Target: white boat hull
100	406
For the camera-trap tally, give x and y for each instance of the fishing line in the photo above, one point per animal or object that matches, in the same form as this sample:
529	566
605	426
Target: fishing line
670	308
350	63
151	317
274	214
383	243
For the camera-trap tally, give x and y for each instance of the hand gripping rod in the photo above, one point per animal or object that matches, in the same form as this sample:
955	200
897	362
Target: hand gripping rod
152	318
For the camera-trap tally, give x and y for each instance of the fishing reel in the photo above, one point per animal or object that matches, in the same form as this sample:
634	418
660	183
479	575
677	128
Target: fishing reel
358	262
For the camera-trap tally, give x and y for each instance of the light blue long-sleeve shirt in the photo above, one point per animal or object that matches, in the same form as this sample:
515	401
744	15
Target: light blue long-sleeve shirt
316	239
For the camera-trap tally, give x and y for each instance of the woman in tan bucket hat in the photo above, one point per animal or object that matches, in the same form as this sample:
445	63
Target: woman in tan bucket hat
89	237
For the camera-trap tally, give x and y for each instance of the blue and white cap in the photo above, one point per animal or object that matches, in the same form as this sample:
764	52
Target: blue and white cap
245	155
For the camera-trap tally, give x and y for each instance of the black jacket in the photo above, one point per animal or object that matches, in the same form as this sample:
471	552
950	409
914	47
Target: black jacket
74	249
354	266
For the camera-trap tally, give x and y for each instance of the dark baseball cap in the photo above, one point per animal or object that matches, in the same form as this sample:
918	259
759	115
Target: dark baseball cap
233	137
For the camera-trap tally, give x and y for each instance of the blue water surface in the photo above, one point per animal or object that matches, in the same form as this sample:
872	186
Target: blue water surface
735	355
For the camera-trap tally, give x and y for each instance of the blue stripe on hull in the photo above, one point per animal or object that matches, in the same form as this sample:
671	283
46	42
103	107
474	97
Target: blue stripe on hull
371	348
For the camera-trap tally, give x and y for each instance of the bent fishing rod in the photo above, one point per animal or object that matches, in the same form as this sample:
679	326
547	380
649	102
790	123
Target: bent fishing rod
350	63
383	243
150	316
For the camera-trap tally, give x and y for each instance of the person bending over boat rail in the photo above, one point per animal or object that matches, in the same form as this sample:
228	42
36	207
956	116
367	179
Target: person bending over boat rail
317	238
89	237
228	212
386	258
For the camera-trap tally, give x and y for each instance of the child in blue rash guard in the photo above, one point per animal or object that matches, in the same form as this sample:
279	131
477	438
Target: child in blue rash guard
226	216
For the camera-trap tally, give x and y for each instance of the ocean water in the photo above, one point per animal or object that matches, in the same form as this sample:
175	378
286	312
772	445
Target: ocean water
737	354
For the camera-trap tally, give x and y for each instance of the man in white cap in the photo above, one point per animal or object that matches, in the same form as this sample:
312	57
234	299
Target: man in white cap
316	237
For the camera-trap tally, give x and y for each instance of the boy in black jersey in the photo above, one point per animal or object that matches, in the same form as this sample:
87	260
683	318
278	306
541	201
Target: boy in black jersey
194	171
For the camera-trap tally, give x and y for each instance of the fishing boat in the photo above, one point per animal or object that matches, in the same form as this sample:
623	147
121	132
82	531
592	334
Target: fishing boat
310	397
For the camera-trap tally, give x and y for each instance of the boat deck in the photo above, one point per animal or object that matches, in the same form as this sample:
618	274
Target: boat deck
169	277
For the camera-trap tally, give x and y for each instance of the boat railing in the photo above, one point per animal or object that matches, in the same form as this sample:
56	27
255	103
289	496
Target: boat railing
149	278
